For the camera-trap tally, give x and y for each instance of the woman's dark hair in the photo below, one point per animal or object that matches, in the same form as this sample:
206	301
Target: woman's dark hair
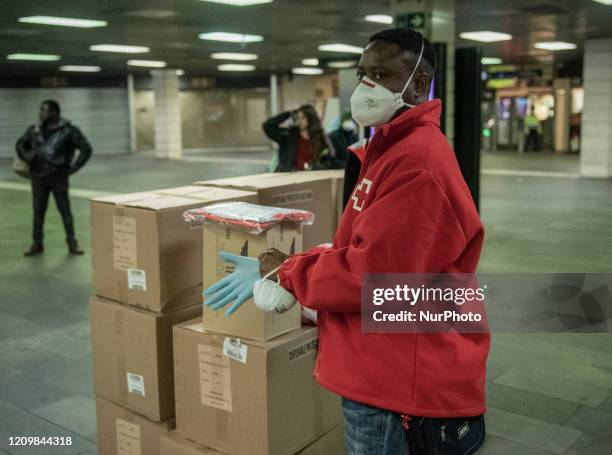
315	130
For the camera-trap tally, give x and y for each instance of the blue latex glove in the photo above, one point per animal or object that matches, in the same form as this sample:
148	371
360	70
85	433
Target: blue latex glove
237	286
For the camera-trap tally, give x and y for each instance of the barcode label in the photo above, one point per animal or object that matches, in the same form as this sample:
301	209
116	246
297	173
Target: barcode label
234	349
136	384
137	279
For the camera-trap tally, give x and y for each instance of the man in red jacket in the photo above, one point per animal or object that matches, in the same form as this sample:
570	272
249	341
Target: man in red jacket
410	212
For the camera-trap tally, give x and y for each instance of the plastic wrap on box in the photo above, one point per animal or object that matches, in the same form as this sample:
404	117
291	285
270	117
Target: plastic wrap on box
252	218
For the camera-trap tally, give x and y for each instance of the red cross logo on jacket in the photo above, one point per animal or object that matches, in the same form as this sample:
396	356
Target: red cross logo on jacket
357	194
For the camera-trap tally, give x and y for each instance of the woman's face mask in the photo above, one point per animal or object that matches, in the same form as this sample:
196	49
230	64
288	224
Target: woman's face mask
348	125
374	105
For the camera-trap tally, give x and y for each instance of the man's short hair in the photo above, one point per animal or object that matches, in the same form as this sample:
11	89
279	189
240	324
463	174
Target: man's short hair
53	106
409	40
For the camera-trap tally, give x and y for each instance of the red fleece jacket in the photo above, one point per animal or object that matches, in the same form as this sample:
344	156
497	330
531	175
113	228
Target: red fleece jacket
411	212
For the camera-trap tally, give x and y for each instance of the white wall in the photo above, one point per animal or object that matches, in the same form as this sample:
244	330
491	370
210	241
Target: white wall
596	148
101	113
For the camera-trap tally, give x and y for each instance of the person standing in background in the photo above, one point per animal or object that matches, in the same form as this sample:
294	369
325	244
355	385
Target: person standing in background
302	146
49	148
342	138
533	130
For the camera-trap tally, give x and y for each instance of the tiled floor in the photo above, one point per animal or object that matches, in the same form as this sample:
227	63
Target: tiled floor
547	393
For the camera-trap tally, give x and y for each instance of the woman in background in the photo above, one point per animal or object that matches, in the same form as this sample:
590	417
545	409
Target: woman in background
303	145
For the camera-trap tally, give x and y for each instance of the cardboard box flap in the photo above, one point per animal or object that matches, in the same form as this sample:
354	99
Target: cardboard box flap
171	198
197	326
206	193
264	181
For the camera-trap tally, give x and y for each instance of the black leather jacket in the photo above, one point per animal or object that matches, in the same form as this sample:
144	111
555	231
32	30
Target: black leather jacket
50	151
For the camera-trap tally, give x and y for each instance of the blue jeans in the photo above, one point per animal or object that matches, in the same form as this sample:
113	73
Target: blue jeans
372	431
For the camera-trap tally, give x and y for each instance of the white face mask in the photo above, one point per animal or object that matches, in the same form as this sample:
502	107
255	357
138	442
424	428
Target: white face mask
348	125
374	105
271	296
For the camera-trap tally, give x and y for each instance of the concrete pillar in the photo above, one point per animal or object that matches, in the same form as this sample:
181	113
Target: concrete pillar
273	95
168	141
563	108
596	142
132	114
347	81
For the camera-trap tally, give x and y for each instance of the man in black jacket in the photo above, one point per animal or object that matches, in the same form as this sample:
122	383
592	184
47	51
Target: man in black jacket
49	147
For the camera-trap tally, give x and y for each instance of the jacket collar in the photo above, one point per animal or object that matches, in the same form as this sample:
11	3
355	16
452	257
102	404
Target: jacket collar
425	113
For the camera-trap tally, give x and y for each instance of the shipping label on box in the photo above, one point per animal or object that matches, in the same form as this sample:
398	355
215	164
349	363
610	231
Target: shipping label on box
215	380
122	432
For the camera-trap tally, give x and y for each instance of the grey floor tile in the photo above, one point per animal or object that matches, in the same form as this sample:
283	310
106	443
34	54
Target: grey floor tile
530	404
494	445
591	444
503	357
553	386
75	413
548	346
530	432
592	421
17	422
26	392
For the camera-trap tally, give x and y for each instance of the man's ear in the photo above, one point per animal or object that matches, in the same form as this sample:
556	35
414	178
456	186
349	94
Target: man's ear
421	85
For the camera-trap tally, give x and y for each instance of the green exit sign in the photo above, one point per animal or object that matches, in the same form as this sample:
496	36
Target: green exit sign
410	20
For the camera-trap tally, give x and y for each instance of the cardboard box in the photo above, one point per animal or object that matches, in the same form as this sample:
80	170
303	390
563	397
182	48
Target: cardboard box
250	398
298	190
337	193
122	432
173	444
248	321
144	253
132	356
331	443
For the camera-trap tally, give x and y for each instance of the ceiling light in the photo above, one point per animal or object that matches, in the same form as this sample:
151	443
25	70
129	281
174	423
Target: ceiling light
124	49
310	61
236	67
379	18
231	37
554	45
63	21
604	2
80	68
341	64
152	13
486	37
307	71
338	47
239	2
490	60
147	63
233	56
39	57
180	72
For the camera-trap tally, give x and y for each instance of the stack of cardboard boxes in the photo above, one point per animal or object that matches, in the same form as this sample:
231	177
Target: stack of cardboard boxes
147	276
233	385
